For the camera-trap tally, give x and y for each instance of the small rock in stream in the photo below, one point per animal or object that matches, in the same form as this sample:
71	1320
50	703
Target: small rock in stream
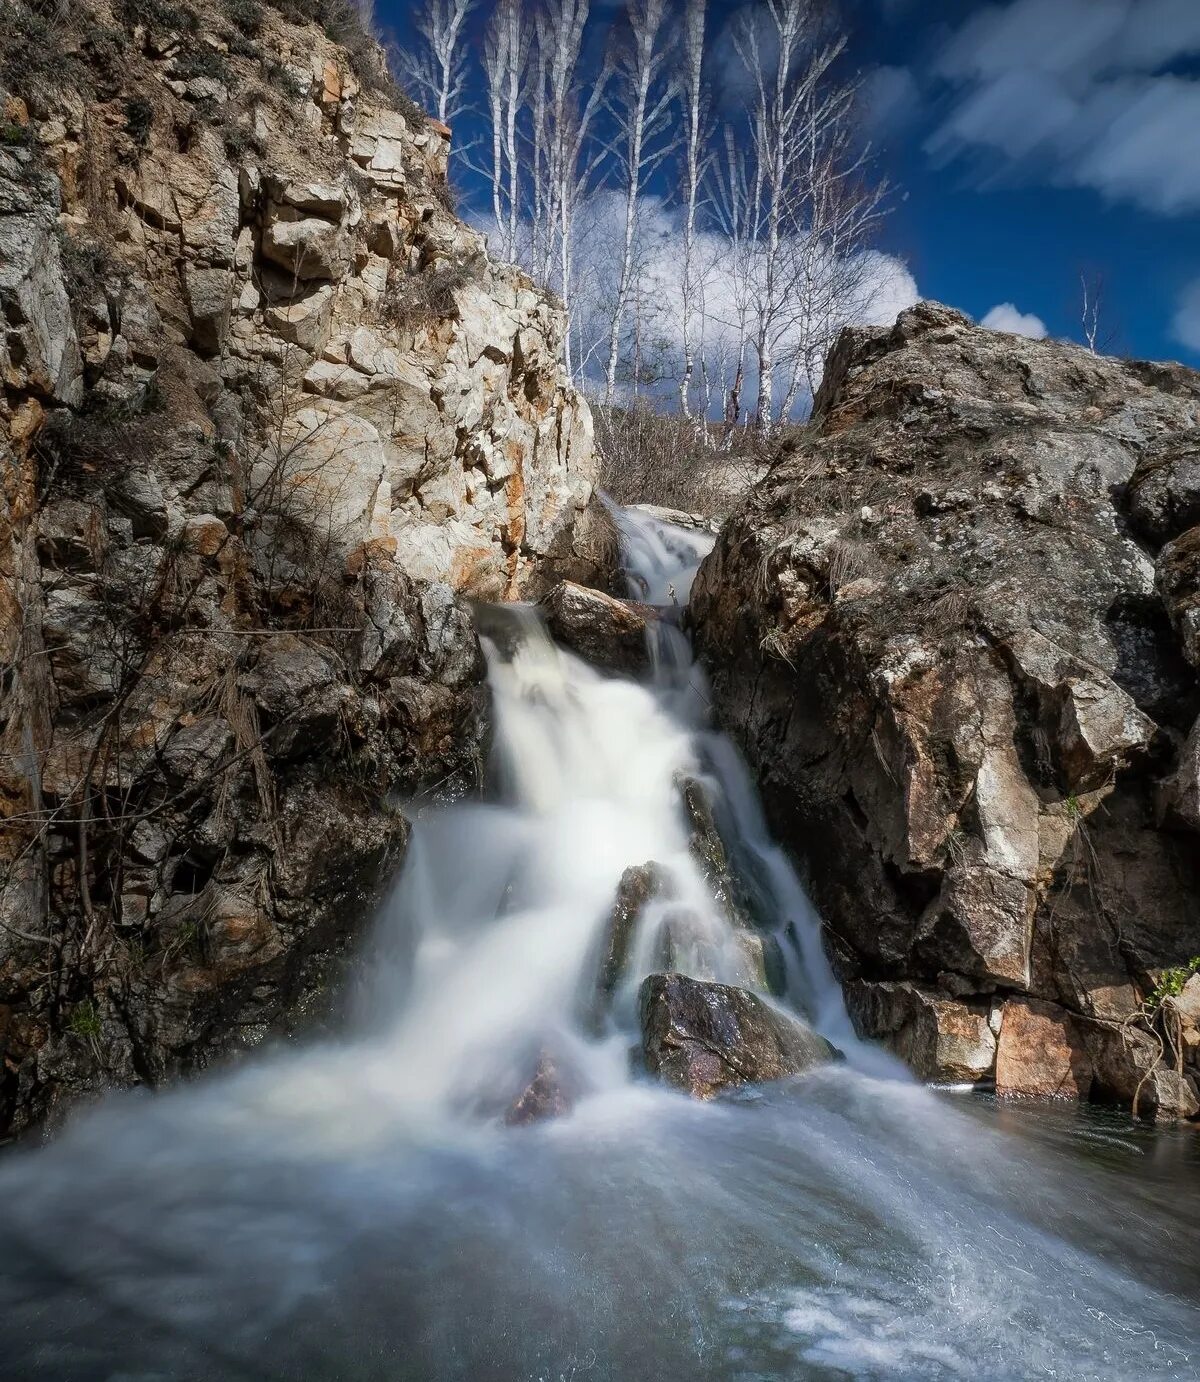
638	886
547	1095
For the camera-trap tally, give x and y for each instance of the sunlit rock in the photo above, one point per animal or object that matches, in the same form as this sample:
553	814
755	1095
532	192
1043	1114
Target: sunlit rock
703	1037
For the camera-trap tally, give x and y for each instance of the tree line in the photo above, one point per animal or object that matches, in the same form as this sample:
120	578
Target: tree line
694	187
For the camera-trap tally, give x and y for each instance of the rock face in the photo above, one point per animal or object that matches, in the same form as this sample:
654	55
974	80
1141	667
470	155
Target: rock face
954	629
703	1037
268	412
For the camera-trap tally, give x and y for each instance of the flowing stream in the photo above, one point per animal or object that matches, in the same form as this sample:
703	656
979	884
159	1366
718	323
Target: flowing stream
359	1209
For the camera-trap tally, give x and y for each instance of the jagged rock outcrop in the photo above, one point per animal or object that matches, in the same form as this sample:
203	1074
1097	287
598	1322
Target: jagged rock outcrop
954	629
268	412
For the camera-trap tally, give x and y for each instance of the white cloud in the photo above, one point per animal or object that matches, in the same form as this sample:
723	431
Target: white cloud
1186	324
891	99
1077	92
884	287
1005	317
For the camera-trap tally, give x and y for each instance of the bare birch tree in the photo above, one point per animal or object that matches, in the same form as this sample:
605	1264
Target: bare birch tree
506	59
640	109
435	64
695	160
787	51
828	278
565	109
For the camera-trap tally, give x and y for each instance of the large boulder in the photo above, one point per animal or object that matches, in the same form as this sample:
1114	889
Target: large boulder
607	632
938	634
703	1037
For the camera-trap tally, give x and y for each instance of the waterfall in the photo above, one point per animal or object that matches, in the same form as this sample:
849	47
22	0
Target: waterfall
359	1207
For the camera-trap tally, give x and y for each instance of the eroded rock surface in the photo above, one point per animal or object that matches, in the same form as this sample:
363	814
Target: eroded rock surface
703	1037
607	632
269	411
954	630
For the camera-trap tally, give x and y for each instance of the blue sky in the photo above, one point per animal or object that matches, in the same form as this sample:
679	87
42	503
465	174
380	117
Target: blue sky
1030	141
987	113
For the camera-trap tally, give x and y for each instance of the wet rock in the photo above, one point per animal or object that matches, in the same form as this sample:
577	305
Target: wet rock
982	760
1128	1066
607	632
761	961
938	1037
678	518
549	1094
638	887
1041	1052
702	1037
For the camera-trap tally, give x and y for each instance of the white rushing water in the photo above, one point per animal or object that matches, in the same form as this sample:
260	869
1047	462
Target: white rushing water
358	1209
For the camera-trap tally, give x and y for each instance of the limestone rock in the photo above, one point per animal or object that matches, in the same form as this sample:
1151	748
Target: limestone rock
39	350
308	247
702	1037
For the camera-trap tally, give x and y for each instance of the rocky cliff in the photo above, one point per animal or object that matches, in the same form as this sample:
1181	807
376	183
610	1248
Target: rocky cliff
268	412
955	630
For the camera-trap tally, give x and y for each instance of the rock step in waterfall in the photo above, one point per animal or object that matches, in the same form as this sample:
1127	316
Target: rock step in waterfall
696	955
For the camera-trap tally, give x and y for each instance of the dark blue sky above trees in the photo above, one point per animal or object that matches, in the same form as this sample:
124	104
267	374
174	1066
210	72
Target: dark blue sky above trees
1029	141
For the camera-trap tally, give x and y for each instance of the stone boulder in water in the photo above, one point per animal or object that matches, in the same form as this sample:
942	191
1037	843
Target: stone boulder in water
549	1094
703	1037
608	633
638	887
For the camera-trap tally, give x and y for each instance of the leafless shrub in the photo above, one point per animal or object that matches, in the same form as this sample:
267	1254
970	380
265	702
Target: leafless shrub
650	457
413	300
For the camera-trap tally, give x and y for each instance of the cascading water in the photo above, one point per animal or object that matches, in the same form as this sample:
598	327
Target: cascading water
359	1209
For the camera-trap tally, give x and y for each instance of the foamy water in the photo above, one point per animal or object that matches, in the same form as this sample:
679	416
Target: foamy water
357	1208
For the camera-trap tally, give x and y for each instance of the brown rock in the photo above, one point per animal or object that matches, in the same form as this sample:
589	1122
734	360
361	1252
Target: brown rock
1129	1065
609	633
547	1095
1041	1052
966	757
638	886
939	1038
703	1037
